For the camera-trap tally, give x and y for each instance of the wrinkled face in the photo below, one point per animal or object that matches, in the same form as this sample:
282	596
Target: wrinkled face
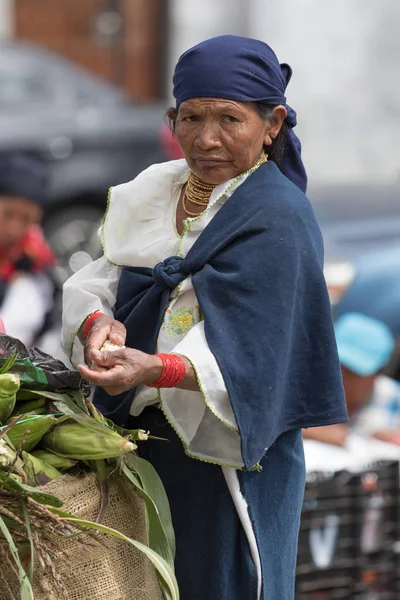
16	216
222	138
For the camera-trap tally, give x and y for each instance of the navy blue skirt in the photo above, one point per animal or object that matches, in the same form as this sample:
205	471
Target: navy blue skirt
213	557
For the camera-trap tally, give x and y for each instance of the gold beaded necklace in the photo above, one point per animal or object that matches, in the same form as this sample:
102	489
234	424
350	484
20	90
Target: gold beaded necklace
198	192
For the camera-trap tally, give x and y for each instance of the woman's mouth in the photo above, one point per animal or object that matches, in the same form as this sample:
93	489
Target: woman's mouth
209	162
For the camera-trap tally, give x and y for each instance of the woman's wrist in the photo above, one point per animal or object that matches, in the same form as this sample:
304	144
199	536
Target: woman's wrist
154	369
184	378
88	322
173	371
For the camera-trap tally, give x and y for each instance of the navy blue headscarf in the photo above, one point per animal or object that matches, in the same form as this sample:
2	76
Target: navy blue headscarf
245	70
23	176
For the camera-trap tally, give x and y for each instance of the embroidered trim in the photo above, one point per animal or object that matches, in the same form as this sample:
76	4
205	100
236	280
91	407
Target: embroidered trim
74	336
184	443
256	467
175	203
206	400
186	229
102	235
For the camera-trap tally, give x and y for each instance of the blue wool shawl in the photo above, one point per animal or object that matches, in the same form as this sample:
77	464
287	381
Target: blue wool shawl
257	271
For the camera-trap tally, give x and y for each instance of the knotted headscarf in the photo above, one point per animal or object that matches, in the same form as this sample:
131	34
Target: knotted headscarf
245	70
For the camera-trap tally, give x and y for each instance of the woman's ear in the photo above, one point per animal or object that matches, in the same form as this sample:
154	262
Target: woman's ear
267	139
172	114
276	122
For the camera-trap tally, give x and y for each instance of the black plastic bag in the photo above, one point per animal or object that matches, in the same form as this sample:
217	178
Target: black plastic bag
37	370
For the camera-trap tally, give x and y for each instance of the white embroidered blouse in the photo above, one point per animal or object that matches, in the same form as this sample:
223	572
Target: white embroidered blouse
140	230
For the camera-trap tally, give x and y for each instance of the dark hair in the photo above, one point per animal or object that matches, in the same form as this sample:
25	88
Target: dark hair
171	122
275	151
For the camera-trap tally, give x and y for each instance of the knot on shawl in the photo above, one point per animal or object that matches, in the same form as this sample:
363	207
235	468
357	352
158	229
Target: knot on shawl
167	273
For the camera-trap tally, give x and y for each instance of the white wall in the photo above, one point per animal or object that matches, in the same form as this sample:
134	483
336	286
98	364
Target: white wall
6	7
346	84
191	21
346	87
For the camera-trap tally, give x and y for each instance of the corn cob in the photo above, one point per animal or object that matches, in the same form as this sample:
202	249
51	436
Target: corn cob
110	347
37	471
56	461
86	440
23	395
32	430
9	385
25	407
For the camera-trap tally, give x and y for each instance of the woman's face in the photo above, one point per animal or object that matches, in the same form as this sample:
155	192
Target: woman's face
16	216
222	138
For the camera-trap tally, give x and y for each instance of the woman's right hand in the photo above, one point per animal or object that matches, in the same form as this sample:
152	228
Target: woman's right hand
104	328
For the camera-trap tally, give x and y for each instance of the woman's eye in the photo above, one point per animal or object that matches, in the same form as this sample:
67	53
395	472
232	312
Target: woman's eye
230	119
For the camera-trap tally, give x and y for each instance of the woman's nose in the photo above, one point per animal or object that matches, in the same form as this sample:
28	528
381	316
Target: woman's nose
208	137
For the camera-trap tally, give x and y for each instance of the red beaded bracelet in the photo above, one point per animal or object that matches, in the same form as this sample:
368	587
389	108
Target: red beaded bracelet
90	320
174	370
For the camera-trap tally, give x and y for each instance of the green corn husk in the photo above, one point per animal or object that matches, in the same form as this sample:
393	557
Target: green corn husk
24	394
58	462
9	385
86	439
32	430
26	407
37	471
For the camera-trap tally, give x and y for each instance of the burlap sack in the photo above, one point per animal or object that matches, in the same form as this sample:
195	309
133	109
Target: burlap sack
114	570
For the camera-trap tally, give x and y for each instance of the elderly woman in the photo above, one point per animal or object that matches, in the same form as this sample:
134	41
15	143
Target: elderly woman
212	277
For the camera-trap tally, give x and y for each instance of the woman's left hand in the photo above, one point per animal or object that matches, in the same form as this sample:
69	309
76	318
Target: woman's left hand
125	369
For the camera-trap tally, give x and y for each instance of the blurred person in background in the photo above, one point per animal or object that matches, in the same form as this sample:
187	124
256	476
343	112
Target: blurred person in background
365	346
212	275
26	261
170	144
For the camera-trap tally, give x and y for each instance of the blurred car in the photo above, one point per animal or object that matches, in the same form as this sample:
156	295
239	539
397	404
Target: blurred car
361	229
87	131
